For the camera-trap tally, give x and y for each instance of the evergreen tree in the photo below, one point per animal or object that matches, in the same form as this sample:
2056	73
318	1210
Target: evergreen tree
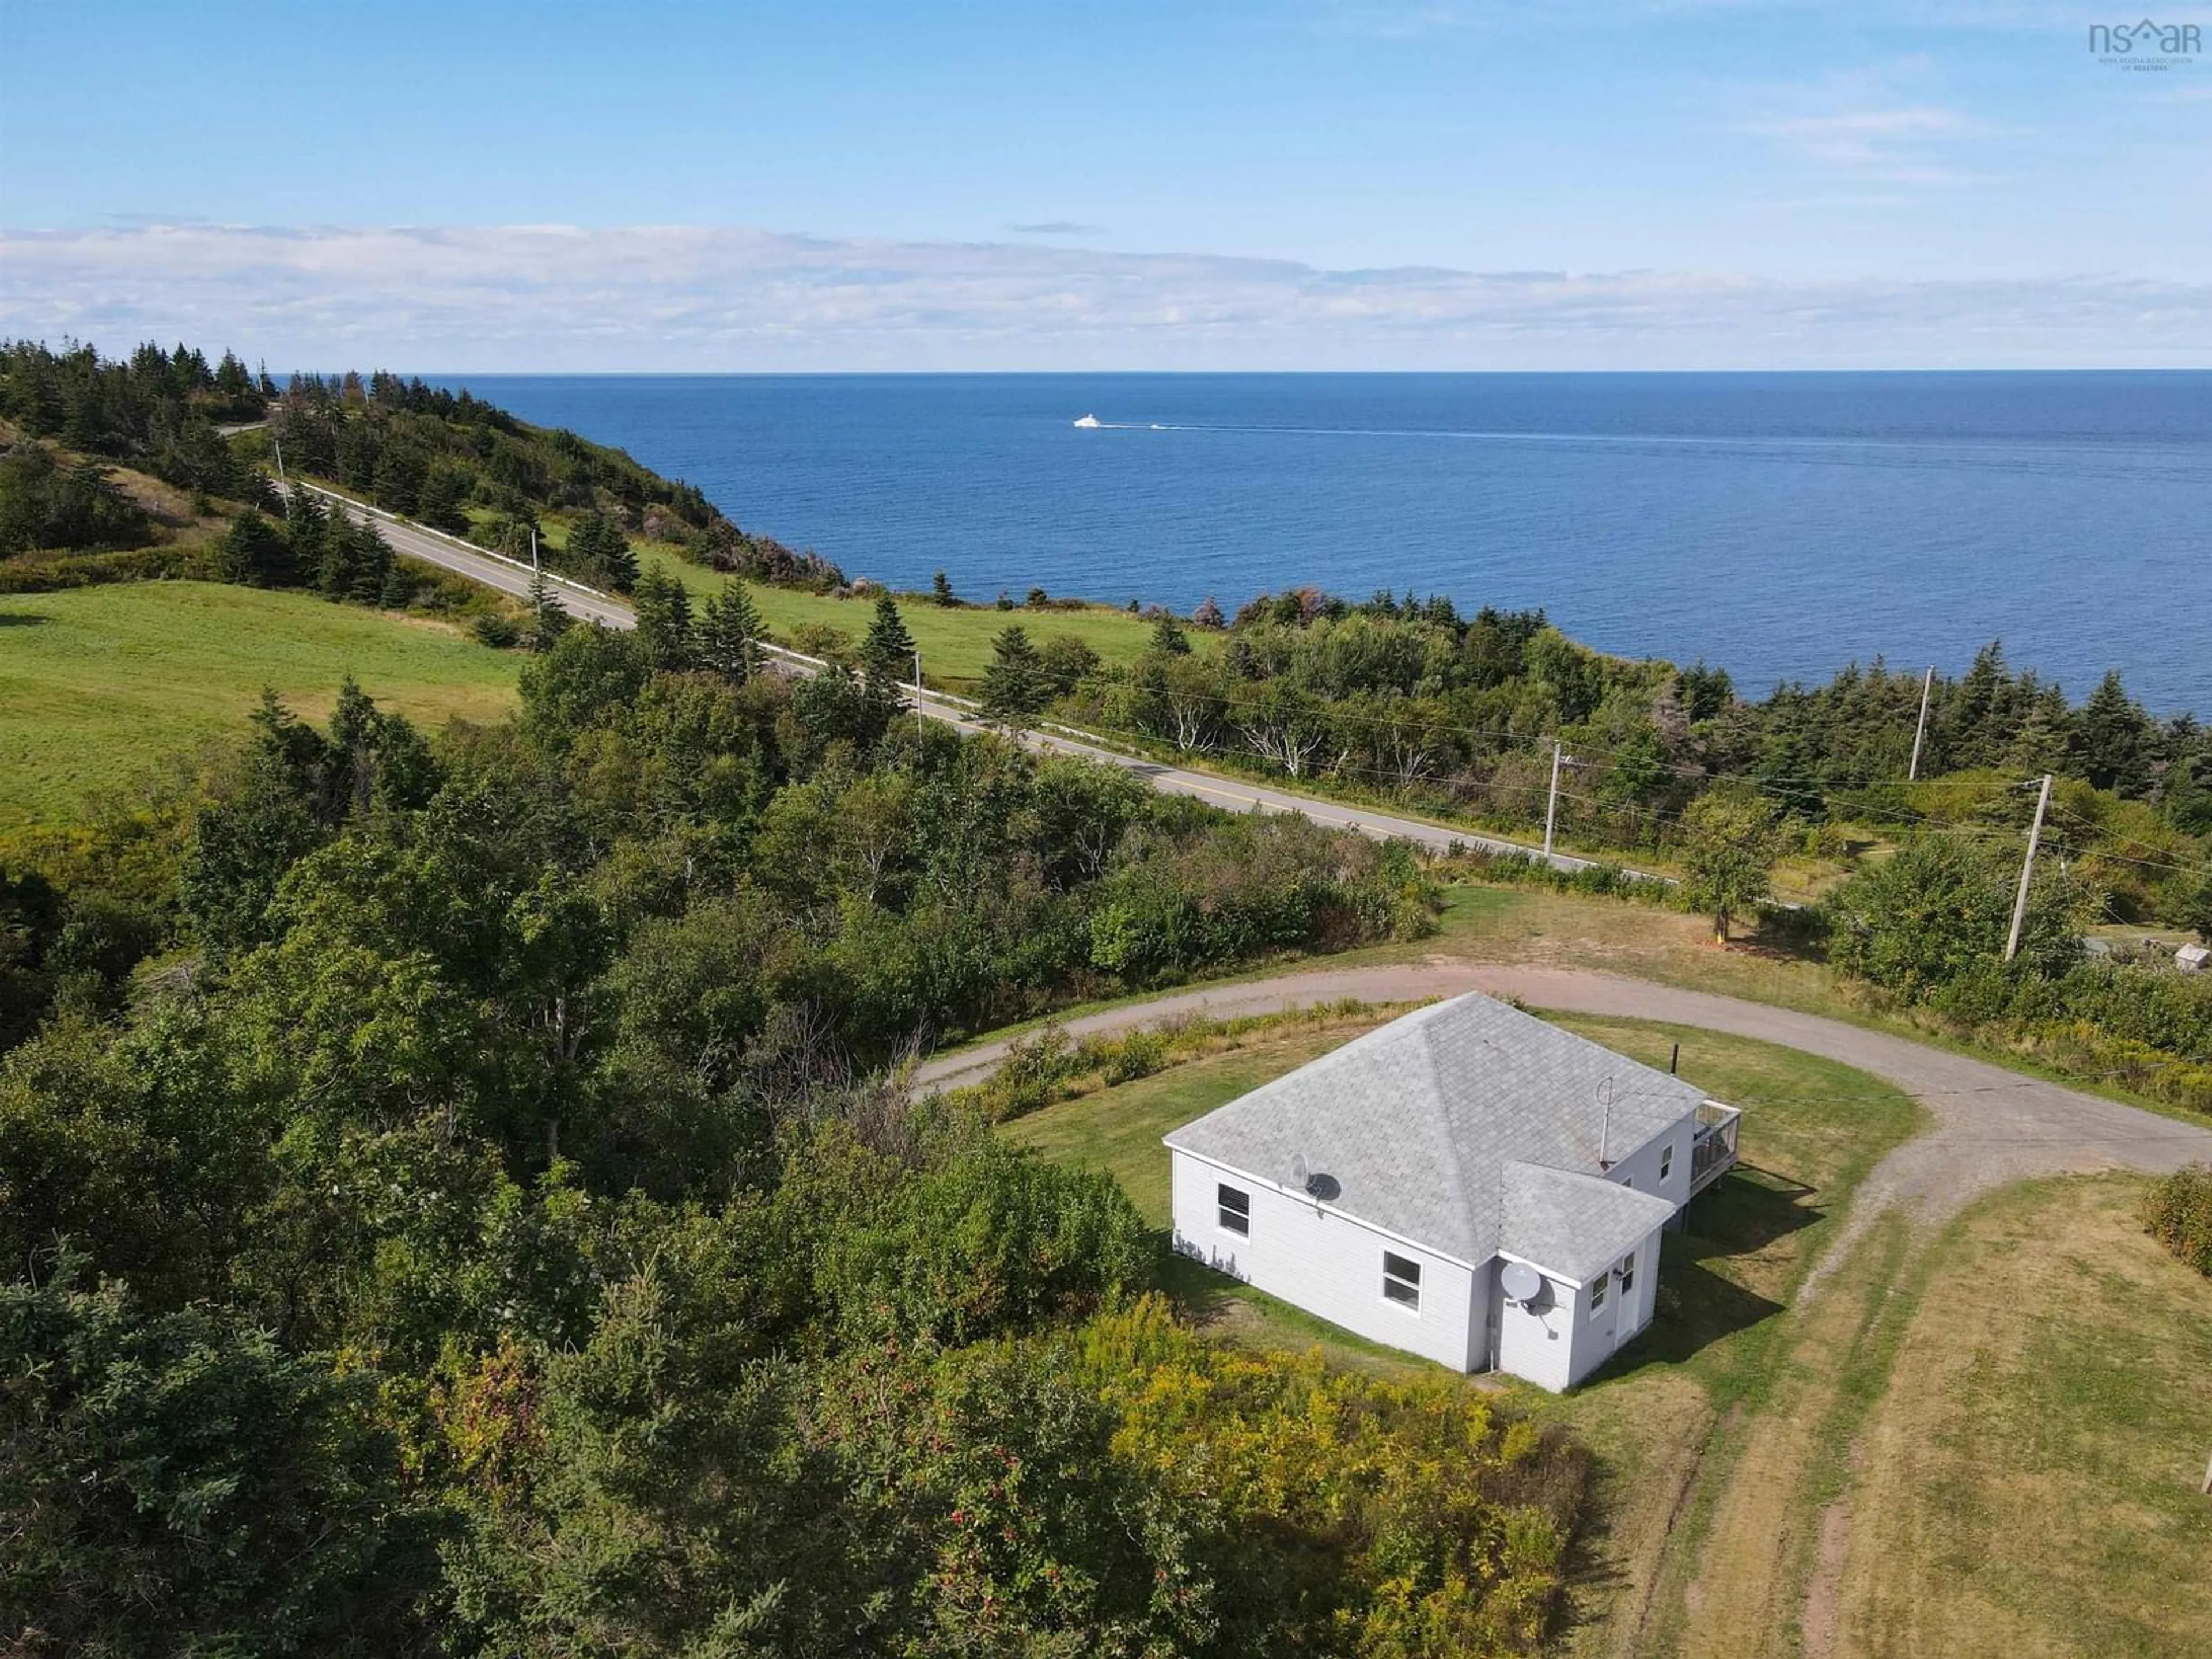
1208	614
1015	690
1983	718
1169	640
664	621
940	591
334	570
1705	692
439	504
307	527
619	562
600	553
372	563
398	589
729	635
349	778
2112	738
255	552
548	618
245	839
2196	909
887	655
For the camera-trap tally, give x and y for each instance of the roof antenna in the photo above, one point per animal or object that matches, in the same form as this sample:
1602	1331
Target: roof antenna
1605	1123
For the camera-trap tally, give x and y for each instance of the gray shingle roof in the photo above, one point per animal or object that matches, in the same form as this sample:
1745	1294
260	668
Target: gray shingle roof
1578	1225
1417	1121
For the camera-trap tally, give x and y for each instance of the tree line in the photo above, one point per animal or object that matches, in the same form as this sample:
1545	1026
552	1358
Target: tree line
437	456
155	410
1413	702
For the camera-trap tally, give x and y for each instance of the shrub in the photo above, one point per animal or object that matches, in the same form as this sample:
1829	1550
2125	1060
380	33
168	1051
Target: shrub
1031	1074
986	1245
49	573
497	630
2178	1212
1139	1055
1593	880
821	639
1935	912
178	1483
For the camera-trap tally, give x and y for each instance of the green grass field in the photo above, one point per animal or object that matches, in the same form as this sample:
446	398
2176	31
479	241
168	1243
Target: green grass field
105	687
956	644
2028	1483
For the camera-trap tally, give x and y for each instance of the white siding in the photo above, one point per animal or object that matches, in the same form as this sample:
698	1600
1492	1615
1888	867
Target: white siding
1557	1342
1331	1265
1640	1168
1536	1340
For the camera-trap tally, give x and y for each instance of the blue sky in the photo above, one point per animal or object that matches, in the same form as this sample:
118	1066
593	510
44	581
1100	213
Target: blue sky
1292	185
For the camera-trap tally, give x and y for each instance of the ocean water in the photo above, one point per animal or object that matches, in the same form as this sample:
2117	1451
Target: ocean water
1782	524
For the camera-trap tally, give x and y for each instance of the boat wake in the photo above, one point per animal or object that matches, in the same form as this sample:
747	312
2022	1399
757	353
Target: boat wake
2149	464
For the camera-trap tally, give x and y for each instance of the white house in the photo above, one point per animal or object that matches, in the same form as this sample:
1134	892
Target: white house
1467	1183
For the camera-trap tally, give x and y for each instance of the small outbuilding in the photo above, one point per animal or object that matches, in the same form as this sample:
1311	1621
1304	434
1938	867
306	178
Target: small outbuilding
2192	958
1469	1184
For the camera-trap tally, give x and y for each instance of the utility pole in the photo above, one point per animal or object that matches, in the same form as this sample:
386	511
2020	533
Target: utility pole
281	483
533	549
2027	868
1927	681
1552	805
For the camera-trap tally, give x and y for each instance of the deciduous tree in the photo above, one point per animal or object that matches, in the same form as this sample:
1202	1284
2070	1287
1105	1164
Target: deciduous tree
1730	847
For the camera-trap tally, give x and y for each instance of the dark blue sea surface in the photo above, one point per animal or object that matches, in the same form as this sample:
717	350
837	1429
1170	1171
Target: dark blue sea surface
1782	524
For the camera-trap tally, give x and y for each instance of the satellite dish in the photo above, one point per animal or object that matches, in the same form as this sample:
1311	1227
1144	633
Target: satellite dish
1521	1282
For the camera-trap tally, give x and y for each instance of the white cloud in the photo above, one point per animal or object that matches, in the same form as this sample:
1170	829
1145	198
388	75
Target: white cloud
1889	145
555	297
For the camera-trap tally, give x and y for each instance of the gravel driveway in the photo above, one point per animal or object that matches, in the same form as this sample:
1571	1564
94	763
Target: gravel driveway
1991	1126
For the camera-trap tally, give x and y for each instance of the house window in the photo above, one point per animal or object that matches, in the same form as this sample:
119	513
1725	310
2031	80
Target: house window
1666	1160
1235	1211
1401	1280
1626	1274
1597	1292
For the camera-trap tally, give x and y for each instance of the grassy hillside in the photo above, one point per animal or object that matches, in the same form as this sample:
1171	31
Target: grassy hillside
104	685
956	644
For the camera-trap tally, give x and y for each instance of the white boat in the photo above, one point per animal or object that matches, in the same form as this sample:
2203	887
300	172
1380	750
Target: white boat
1088	420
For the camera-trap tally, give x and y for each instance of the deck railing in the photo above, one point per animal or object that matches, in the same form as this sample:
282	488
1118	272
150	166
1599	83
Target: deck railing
1712	1145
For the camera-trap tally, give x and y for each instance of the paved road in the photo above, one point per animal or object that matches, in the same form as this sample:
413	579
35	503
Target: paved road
1990	1126
509	576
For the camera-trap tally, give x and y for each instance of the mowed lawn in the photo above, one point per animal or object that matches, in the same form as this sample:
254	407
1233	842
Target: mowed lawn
2028	1483
1980	1440
105	687
956	644
1813	1128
